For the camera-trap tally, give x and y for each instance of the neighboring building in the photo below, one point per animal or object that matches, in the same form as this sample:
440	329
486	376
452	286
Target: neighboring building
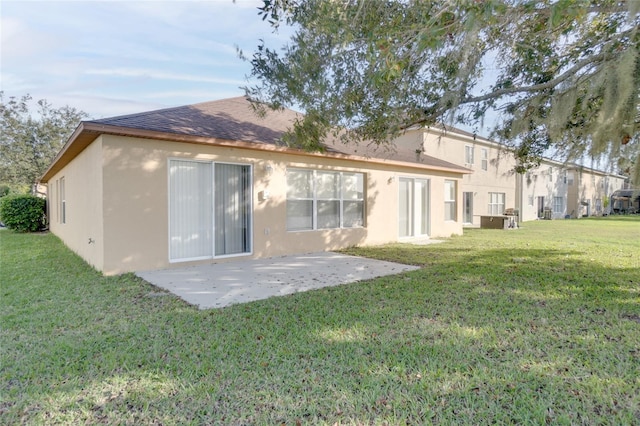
553	190
212	181
490	189
566	190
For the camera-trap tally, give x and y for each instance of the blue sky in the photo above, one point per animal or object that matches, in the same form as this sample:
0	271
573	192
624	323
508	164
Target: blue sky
118	57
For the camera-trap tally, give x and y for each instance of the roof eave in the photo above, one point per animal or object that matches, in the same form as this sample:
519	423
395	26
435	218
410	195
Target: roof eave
82	136
88	131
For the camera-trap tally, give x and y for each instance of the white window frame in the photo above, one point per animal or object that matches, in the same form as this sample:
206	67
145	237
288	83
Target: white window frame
304	199
484	160
337	178
469	154
448	201
497	203
63	201
57	202
558	204
341	199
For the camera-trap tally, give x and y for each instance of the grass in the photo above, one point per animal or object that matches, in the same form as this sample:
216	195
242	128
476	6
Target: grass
534	326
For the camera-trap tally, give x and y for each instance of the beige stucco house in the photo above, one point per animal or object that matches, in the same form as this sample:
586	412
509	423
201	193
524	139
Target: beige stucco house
213	182
567	190
491	188
554	190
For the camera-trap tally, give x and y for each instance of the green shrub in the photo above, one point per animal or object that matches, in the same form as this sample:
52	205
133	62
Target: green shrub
4	190
22	213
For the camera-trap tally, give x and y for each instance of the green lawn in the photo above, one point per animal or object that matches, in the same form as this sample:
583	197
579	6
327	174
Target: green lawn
534	326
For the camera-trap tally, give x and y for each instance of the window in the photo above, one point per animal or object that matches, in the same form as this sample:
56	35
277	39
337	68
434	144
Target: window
352	200
550	174
541	207
63	202
328	200
468	154
299	200
558	204
485	158
530	200
467	207
449	200
496	203
324	200
569	178
57	202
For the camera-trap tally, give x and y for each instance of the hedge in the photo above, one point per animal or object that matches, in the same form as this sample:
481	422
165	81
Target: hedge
23	213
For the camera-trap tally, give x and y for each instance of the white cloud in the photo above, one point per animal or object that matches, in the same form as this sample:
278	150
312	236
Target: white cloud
19	39
116	57
160	75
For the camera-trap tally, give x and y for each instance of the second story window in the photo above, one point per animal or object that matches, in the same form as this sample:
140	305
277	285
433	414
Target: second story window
468	155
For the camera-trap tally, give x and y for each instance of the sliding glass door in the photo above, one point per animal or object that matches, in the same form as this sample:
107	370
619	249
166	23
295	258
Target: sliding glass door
413	202
209	209
232	209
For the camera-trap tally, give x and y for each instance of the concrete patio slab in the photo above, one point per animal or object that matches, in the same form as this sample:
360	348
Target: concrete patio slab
223	284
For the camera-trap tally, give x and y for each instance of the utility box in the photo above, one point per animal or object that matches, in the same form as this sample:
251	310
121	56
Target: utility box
494	222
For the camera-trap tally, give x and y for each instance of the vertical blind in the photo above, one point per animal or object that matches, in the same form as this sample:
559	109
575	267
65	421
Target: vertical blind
190	209
209	209
232	207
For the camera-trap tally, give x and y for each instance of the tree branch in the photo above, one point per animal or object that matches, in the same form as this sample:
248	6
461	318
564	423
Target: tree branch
536	87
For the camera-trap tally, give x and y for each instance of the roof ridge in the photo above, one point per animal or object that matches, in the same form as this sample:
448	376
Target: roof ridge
161	110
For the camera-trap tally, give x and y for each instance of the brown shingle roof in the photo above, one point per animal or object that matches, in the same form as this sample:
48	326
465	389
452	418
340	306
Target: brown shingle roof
229	122
234	119
231	119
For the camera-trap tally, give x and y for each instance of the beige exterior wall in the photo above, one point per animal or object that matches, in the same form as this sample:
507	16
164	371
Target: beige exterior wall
591	190
118	197
82	230
541	186
564	190
582	190
497	178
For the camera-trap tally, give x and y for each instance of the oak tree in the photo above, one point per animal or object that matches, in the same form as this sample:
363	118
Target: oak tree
29	140
557	74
